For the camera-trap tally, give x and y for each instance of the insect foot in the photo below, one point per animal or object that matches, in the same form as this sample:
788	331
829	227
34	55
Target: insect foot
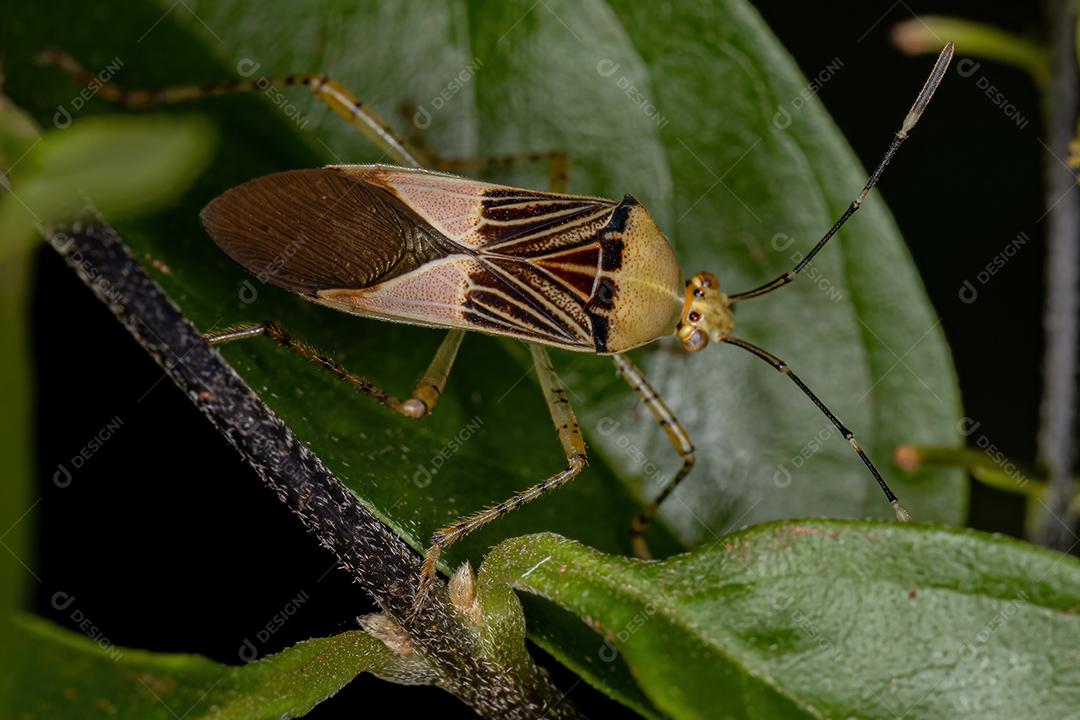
428	572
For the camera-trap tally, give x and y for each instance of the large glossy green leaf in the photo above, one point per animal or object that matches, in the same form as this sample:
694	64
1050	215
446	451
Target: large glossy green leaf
757	171
699	113
673	104
825	619
63	674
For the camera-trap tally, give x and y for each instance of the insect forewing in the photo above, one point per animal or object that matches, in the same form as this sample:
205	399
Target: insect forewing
433	249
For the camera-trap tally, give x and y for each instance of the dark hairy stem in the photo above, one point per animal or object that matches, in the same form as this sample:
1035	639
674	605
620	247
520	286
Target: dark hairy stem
369	551
1057	424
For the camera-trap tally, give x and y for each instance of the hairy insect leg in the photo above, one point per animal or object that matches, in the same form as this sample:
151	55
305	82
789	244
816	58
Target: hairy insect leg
558	165
340	100
558	161
573	444
424	398
676	433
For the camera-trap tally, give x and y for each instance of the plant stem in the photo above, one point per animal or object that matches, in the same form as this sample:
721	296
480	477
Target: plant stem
375	557
1057	412
928	34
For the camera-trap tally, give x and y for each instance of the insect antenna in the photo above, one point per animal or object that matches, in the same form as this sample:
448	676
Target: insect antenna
781	366
912	117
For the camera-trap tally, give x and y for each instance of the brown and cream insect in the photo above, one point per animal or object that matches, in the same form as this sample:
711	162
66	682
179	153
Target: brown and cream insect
411	245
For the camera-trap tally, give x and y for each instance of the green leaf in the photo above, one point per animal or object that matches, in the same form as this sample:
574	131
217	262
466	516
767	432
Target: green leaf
749	172
118	165
824	619
675	105
62	674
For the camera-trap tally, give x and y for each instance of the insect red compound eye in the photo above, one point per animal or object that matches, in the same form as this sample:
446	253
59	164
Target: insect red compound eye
694	317
699	293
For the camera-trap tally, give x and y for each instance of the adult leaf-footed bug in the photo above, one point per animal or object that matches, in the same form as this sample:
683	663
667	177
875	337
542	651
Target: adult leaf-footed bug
419	246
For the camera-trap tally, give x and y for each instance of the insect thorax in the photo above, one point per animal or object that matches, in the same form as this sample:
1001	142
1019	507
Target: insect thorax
645	284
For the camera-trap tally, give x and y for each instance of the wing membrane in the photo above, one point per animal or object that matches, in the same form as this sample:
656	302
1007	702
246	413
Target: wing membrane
312	230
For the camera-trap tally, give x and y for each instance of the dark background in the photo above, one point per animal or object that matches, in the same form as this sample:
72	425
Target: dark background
137	542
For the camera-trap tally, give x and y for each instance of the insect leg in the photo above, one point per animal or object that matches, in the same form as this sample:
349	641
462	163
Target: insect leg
343	102
677	434
558	165
424	396
573	445
558	162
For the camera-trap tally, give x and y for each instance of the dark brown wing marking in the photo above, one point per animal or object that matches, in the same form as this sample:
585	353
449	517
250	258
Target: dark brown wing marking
319	229
575	267
524	224
542	261
555	310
